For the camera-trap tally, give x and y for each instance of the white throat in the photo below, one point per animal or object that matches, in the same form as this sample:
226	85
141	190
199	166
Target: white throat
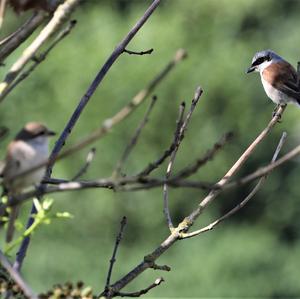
262	66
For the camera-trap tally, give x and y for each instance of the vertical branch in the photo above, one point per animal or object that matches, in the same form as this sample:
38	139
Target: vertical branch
168	173
113	258
134	139
2	11
178	138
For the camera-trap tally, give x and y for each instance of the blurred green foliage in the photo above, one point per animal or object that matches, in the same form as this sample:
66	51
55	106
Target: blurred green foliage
254	253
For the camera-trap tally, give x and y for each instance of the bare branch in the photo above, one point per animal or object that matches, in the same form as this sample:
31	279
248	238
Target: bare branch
168	174
113	184
152	166
60	15
39	59
188	221
243	202
17	277
237	165
9	44
134	139
265	170
89	159
138	53
188	171
113	258
96	82
2	11
122	114
157	282
178	138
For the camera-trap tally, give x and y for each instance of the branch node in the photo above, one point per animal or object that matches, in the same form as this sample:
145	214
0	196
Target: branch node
147	52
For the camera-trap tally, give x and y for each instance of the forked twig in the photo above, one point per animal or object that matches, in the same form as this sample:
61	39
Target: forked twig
157	282
60	15
237	165
121	115
96	82
14	40
154	165
178	138
243	202
210	154
40	58
188	221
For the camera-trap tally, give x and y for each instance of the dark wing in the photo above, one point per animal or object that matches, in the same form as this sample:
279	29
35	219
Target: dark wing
284	77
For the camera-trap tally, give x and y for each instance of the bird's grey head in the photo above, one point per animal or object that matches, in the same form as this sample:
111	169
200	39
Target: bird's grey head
262	59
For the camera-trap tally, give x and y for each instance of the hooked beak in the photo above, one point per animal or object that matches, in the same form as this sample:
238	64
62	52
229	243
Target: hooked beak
250	69
51	133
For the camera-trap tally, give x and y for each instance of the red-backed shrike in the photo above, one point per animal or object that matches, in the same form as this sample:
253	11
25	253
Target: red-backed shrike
279	78
27	150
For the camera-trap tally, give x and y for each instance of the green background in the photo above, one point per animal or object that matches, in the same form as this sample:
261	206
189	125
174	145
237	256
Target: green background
255	253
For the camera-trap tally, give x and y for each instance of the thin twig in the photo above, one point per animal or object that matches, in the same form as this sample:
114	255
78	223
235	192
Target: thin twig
60	15
188	221
113	258
107	183
40	58
243	202
13	41
210	154
17	277
121	115
237	165
96	82
134	139
89	159
138	53
166	209
154	165
178	139
157	282
2	11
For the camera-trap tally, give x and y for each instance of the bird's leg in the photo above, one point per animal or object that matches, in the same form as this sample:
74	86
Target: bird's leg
275	110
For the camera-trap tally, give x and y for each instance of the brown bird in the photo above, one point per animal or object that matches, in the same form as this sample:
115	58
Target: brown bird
27	150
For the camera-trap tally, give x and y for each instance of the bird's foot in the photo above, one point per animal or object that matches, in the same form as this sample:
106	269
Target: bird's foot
276	114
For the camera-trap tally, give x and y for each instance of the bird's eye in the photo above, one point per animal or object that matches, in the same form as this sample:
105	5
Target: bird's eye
268	58
258	61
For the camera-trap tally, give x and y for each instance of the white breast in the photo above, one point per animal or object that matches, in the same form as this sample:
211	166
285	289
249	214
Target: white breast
277	96
24	156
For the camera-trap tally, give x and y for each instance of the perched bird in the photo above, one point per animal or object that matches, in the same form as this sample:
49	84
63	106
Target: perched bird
279	78
27	150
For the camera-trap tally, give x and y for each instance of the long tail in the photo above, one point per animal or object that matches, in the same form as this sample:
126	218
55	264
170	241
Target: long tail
11	223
